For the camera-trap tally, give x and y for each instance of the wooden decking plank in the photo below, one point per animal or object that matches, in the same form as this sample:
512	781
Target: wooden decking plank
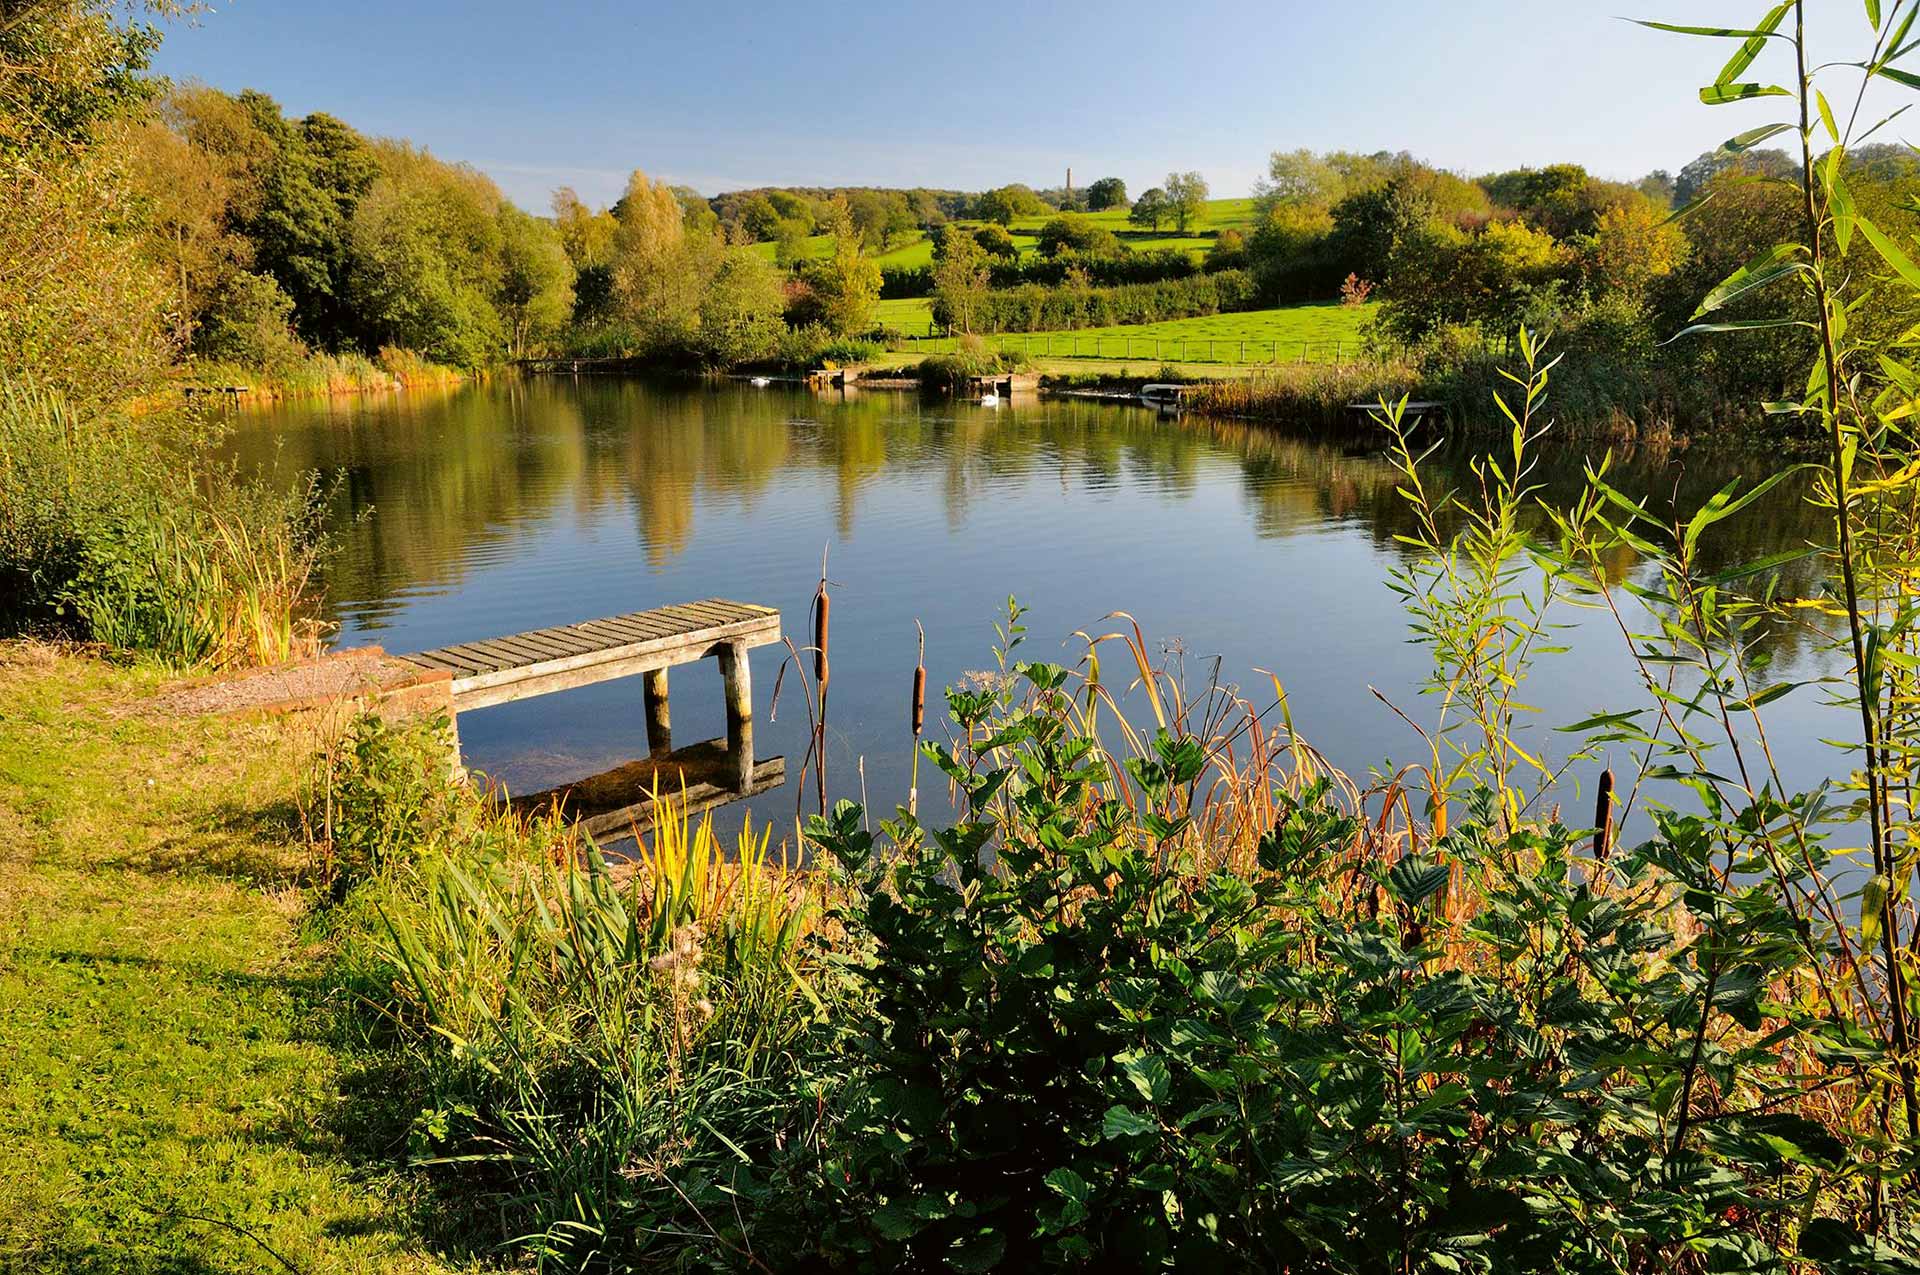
637	628
663	620
479	655
461	656
529	652
714	611
689	621
556	642
433	659
653	623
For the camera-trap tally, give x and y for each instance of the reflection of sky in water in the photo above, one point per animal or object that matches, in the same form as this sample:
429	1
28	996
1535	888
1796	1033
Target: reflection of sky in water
514	505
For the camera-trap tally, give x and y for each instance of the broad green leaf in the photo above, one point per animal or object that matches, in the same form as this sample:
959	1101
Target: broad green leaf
1826	116
1775	263
1068	1185
1840	199
1737	65
1124	1122
1753	137
1873	898
1898	76
1414	880
1724	504
1722	94
1890	251
1149	1075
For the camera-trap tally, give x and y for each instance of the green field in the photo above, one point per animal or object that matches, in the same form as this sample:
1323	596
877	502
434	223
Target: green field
1325	332
1219	214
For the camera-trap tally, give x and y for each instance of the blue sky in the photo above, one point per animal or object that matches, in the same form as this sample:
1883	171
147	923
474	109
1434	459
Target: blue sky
728	94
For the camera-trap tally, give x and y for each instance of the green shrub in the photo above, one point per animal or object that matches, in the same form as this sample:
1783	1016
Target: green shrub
387	797
127	532
1033	308
1088	1037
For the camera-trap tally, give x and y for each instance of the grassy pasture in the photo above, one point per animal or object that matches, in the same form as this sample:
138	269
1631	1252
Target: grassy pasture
917	250
1324	332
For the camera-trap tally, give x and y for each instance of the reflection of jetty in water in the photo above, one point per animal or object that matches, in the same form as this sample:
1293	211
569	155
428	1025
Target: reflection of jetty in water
647	644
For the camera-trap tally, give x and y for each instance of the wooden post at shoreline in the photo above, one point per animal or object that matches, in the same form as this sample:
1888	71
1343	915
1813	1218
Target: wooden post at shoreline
659	715
737	673
646	644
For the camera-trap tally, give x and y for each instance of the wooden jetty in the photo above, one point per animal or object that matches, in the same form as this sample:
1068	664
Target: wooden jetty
502	670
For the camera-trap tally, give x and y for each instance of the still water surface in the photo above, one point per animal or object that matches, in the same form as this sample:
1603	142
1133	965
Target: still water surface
514	505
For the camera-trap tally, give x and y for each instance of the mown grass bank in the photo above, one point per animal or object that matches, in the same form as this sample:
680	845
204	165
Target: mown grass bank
178	1083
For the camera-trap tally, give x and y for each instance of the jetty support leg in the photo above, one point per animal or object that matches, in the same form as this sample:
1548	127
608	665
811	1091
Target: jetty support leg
738	675
659	714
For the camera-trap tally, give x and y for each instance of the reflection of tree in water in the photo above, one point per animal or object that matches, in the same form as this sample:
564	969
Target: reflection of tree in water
452	476
1293	483
445	473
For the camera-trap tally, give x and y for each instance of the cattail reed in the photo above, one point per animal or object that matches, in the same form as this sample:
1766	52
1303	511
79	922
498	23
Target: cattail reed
822	613
1603	817
822	610
919	716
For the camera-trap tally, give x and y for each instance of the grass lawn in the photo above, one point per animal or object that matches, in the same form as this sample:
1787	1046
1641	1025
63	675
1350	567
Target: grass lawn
1318	333
174	1072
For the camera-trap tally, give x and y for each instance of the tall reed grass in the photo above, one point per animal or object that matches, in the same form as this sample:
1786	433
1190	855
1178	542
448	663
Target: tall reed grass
609	1053
322	374
124	530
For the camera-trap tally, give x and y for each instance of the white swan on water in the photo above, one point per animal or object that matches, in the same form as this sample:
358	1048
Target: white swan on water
762	381
989	400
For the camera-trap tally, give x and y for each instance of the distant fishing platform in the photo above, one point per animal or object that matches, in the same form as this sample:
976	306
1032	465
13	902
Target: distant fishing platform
501	670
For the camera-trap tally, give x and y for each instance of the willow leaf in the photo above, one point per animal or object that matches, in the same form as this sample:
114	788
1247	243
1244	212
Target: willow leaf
1776	262
1890	251
1722	94
1736	33
1753	137
1736	325
1737	65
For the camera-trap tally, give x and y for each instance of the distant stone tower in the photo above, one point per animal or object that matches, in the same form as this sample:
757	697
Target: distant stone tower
1069	185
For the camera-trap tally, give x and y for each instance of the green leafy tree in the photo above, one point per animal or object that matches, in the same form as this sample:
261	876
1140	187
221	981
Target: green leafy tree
759	218
1107	192
82	302
792	207
959	281
996	241
535	292
1073	232
1006	203
740	311
1150	209
1186	198
424	260
845	284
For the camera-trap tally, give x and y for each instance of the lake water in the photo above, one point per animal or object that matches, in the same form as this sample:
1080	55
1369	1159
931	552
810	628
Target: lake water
517	504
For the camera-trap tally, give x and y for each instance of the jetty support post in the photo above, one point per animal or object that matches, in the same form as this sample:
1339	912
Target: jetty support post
659	714
738	675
